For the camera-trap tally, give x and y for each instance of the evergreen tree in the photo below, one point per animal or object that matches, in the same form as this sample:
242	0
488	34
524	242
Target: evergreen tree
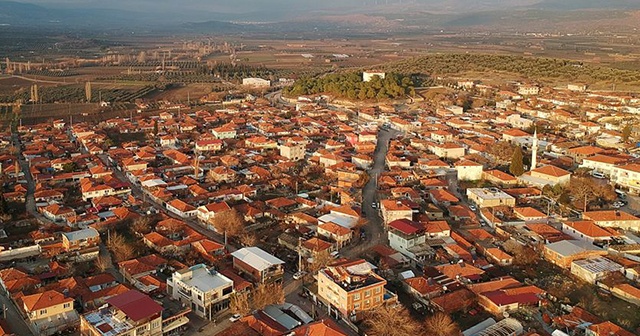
517	166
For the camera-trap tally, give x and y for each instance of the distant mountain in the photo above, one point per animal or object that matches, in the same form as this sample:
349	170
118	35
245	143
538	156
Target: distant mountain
587	4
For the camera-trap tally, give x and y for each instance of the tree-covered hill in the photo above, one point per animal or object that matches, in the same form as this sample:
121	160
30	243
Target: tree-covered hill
350	85
528	67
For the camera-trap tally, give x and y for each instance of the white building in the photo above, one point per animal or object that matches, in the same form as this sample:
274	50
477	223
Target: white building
627	176
206	291
367	76
256	82
409	238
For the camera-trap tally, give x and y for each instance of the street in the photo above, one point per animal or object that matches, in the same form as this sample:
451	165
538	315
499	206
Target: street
375	229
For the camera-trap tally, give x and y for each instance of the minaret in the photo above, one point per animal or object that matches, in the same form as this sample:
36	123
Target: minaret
534	151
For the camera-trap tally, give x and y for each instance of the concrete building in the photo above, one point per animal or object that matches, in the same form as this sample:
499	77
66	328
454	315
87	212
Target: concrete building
409	238
594	269
367	76
490	197
130	314
256	82
48	312
293	151
205	290
351	287
258	265
81	239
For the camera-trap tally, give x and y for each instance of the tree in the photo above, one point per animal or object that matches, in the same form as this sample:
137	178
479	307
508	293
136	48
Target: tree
517	166
248	239
502	151
229	222
155	127
389	321
320	261
440	324
522	255
142	225
69	167
626	132
239	303
120	248
586	191
266	294
102	265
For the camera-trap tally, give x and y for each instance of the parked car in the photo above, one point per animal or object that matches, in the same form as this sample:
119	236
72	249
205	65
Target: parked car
472	207
298	275
597	174
235	317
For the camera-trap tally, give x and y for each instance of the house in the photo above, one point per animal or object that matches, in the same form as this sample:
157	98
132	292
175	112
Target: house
461	271
14	281
206	212
48	312
339	234
442	197
57	212
134	269
468	170
205	290
500	178
181	208
607	328
498	256
351	287
602	163
393	210
529	214
130	313
613	218
258	265
546	175
490	197
81	239
208	145
564	252
409	238
588	231
505	300
423	288
592	270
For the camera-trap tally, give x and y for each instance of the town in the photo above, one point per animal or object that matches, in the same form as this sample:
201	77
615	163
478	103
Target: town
469	209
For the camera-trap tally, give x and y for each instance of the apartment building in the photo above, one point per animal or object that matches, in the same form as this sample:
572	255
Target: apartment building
205	290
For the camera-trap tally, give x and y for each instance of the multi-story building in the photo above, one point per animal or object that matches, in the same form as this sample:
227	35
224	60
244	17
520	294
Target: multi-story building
205	290
81	239
409	238
351	287
130	314
627	176
258	265
48	312
393	210
293	151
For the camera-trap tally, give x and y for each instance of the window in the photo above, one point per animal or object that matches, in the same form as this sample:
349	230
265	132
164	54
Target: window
356	296
155	324
377	290
43	311
377	299
67	305
356	306
367	293
199	297
201	309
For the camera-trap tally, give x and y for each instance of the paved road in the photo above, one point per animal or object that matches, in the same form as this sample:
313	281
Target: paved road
17	325
375	229
139	194
30	203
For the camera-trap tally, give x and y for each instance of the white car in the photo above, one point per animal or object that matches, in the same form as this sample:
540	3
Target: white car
298	275
472	207
235	317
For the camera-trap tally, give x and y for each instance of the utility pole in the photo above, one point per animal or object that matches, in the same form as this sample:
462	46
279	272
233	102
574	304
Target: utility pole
299	254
